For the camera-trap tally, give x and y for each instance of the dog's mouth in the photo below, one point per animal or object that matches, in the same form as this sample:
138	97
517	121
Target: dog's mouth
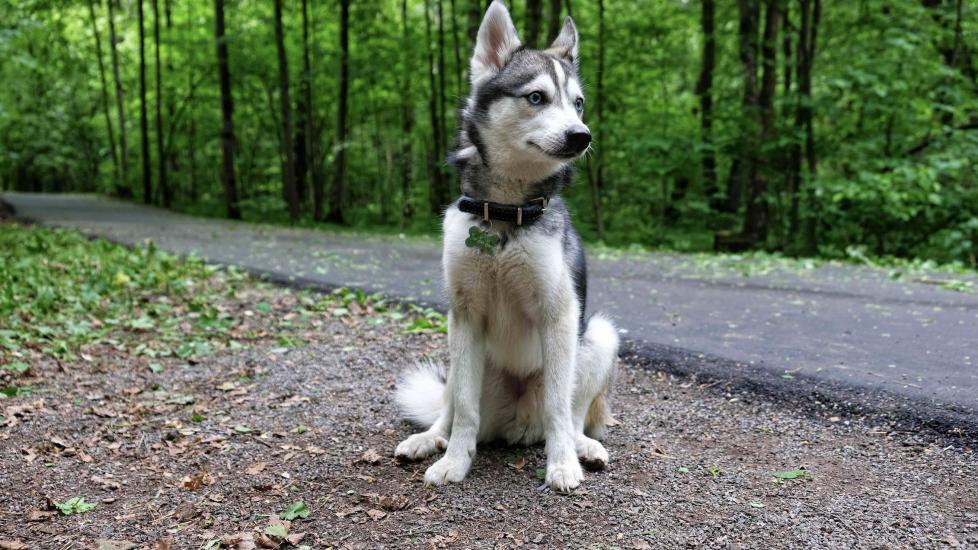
562	155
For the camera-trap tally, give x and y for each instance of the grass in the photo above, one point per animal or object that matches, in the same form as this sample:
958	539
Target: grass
62	294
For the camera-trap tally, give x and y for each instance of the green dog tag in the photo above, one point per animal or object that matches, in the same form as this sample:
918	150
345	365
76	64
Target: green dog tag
482	239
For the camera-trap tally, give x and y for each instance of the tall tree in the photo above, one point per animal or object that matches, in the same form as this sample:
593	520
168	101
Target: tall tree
227	115
162	185
191	105
105	94
407	117
744	163
704	89
304	110
596	161
453	15
473	20
438	195
339	176
123	188
442	107
553	21
288	152
143	116
756	214
534	22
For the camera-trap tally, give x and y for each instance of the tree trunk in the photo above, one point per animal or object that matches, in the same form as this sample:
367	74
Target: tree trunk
123	188
534	19
474	18
227	115
191	104
595	161
407	118
442	108
744	164
303	134
810	222
704	88
143	116
339	178
553	21
458	52
162	186
105	95
437	195
288	158
756	214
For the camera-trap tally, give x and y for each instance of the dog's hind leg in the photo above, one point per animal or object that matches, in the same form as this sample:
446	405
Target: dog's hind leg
596	358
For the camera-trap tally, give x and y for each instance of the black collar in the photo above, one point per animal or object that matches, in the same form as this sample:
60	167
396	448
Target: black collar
521	215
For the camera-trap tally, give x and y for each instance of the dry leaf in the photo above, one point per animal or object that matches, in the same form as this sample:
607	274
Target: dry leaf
349	512
256	468
371	456
12	545
376	515
196	482
239	541
107	544
40	515
519	464
392	502
164	544
107	483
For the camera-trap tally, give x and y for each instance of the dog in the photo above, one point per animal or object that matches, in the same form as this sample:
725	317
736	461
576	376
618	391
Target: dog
526	364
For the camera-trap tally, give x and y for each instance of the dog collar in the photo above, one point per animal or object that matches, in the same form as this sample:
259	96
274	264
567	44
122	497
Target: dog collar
521	215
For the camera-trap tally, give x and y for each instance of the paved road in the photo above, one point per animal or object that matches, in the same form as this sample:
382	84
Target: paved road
838	332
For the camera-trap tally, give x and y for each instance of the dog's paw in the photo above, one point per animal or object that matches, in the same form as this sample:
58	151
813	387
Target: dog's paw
592	453
446	470
420	446
564	477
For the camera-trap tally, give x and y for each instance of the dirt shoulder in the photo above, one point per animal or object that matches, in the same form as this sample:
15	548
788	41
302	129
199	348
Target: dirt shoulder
204	450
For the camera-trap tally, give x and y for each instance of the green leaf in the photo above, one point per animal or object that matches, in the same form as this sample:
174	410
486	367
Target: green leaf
791	474
682	470
296	510
18	367
74	505
156	368
242	429
541	474
714	471
277	530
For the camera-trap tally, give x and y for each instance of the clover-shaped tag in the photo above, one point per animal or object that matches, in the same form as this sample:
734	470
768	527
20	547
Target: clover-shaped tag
482	239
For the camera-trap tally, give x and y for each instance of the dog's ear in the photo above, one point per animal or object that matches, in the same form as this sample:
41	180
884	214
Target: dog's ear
565	45
496	41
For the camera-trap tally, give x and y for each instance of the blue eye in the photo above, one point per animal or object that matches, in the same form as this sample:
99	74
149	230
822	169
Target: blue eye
535	98
579	104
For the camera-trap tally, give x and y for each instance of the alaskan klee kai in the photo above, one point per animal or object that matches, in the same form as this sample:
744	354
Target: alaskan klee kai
527	365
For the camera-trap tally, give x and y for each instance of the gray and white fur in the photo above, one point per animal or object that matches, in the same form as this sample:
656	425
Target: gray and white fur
526	364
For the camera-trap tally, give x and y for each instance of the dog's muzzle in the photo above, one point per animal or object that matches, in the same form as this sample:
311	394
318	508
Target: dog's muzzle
576	141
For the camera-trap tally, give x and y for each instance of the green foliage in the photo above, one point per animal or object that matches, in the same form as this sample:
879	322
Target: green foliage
74	505
895	117
60	291
294	511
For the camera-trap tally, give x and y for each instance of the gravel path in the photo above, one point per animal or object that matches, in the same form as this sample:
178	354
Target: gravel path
211	450
907	348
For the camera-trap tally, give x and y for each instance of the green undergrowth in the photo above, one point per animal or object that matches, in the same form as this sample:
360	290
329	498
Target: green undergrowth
64	296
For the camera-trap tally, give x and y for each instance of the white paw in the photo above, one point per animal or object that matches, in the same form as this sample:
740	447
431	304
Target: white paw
564	477
591	452
420	446
446	470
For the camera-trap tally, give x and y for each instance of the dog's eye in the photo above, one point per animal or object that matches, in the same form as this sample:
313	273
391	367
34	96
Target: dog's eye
535	98
579	104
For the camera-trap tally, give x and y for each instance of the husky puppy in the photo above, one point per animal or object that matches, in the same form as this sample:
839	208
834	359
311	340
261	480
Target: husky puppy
526	364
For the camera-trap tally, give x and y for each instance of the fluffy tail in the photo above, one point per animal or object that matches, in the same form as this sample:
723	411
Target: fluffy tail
420	393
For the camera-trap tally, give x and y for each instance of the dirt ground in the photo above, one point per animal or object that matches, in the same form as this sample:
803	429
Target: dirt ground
213	450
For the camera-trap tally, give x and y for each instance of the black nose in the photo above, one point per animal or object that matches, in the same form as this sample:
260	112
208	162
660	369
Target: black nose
577	140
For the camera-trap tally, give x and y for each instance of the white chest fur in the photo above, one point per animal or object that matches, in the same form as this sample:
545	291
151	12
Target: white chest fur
509	296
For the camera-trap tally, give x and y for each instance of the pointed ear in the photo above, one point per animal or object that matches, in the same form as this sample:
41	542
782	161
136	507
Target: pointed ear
565	45
496	41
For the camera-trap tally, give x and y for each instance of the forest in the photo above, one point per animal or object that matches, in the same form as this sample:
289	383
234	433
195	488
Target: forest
832	129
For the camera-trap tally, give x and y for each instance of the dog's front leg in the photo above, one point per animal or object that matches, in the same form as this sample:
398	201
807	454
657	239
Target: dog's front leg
559	355
467	352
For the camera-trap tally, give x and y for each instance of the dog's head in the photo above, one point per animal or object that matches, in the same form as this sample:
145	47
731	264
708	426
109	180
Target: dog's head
524	113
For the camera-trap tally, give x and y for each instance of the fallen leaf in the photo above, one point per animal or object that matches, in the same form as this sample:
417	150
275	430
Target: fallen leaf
519	464
108	544
393	502
296	510
107	483
256	468
791	474
12	545
349	512
376	515
371	456
193	483
239	541
40	515
164	544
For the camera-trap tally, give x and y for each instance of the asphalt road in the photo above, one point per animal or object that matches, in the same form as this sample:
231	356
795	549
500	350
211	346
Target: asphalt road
831	336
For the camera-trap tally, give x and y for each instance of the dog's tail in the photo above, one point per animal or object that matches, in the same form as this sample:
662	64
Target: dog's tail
420	393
